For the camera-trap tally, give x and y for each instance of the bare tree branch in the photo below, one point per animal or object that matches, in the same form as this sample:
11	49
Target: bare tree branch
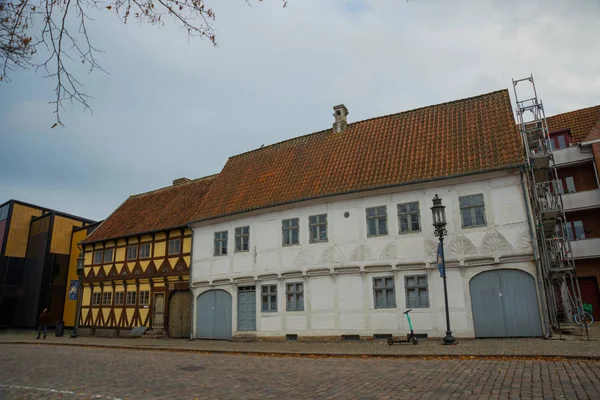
17	47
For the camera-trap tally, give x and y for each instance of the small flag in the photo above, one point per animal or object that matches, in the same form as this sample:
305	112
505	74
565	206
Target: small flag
440	261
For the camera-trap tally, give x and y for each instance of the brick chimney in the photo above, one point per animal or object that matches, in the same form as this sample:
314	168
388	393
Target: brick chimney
181	181
340	113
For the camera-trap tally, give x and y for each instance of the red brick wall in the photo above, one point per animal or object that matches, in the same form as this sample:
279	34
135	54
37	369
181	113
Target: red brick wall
596	151
586	268
583	175
590	219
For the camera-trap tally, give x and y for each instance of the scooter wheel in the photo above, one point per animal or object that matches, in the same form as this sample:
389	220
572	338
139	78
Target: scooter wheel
414	340
390	341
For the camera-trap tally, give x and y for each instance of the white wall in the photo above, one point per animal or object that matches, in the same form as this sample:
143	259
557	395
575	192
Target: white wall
338	275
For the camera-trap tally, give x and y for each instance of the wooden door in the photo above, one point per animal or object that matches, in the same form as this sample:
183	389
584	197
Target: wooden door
180	314
158	318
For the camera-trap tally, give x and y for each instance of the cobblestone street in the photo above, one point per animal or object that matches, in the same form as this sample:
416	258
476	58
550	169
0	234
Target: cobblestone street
59	372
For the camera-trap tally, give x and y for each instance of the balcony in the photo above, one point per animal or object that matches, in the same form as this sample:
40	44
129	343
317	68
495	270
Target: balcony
570	155
586	248
581	200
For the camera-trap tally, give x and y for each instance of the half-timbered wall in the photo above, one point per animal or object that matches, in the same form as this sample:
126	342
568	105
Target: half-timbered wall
113	280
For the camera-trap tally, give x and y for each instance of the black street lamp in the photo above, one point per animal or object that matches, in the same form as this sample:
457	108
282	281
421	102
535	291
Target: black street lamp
80	260
439	223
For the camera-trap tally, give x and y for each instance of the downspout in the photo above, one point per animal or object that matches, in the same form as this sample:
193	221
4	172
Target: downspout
538	267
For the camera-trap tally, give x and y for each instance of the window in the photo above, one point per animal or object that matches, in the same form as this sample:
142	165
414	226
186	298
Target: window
408	217
384	293
291	231
174	246
145	298
220	243
108	255
98	257
119	297
472	211
575	230
318	228
269	298
132	252
130	298
107	299
242	238
96	297
560	141
295	296
145	250
377	221
570	184
417	295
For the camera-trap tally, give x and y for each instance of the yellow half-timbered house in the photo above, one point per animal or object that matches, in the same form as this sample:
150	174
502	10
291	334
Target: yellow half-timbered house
136	269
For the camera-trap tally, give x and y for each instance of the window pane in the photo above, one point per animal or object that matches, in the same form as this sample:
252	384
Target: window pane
370	212
415	226
371	227
477	200
466	217
402	208
579	231
381	211
570	184
312	220
562	144
295	236
404	223
465	202
414	206
382	226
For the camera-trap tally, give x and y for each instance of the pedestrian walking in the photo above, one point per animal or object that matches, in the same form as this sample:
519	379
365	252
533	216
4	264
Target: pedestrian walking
44	320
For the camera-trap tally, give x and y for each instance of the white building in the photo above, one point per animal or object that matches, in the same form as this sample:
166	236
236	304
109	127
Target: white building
330	234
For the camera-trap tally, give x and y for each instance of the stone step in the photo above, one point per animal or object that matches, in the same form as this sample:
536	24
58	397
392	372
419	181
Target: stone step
243	338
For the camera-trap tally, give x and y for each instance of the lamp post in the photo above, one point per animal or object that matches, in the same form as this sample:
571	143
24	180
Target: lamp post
80	260
439	224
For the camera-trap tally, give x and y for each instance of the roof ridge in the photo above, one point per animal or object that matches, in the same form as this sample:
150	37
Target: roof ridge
371	119
173	186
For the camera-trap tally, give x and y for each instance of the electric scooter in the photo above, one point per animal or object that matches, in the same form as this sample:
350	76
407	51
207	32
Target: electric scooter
411	337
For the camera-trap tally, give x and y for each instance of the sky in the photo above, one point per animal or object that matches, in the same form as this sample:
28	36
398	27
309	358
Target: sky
172	107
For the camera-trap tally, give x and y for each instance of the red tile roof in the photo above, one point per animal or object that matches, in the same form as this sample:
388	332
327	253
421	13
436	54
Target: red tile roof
161	209
580	122
466	136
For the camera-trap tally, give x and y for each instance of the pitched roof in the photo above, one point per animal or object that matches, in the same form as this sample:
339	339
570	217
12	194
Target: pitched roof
465	136
160	209
580	122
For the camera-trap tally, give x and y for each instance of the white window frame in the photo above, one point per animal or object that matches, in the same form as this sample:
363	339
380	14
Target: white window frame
381	285
130	298
141	251
105	296
317	224
287	231
130	248
295	291
98	257
418	287
221	243
119	298
171	251
377	216
472	210
242	237
96	298
412	217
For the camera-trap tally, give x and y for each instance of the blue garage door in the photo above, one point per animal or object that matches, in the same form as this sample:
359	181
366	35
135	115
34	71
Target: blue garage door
505	304
213	310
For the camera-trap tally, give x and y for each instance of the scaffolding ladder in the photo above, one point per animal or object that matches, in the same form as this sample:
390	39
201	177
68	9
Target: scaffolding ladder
555	257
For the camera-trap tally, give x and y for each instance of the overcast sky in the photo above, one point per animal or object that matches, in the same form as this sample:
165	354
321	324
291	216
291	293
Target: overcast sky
173	107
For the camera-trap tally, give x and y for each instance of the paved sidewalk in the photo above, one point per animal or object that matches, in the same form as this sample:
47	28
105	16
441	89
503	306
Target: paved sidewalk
571	346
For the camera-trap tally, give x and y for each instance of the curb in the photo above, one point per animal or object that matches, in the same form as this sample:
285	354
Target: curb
544	357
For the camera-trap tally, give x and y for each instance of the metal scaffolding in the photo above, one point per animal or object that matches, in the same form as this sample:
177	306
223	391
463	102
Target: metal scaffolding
555	257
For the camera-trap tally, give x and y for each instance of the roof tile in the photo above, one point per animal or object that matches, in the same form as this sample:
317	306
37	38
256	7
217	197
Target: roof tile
160	209
465	136
581	122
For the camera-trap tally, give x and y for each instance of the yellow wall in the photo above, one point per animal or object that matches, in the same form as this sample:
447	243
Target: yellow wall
70	305
18	234
61	234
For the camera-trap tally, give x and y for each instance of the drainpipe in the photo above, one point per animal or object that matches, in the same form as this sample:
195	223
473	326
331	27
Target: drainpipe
538	267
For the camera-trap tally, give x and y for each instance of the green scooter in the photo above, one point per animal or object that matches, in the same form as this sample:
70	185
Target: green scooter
411	337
